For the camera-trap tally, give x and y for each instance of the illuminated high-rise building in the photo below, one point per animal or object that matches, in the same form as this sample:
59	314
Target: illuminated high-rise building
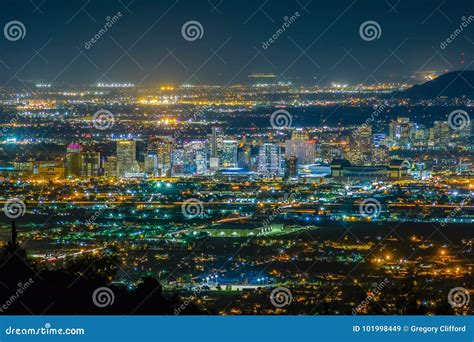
110	166
195	157
269	160
73	161
164	155
126	157
228	153
89	164
360	148
150	163
216	140
79	163
244	157
291	167
303	150
440	134
402	132
299	134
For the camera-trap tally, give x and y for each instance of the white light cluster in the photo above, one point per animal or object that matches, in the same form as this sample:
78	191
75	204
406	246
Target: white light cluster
115	85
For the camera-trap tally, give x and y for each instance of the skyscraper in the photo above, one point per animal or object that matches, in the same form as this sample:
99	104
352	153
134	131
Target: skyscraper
216	140
81	164
89	164
73	160
228	153
401	132
269	160
126	157
195	157
440	134
303	150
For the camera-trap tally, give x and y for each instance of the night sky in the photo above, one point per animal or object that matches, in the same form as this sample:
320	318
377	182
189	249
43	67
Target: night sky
145	45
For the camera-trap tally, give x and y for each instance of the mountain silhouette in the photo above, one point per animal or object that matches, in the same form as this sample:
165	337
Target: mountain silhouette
454	84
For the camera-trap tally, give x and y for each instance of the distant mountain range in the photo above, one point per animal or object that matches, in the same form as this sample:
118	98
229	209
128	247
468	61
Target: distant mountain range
453	84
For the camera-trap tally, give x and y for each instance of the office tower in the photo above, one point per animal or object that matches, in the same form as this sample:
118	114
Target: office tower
178	161
269	160
421	136
195	157
110	167
216	140
164	155
440	134
299	134
244	157
89	164
228	153
379	139
150	163
73	161
360	150
126	157
303	150
291	167
401	132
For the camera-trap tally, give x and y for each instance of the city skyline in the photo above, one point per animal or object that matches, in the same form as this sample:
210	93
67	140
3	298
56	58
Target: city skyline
233	158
